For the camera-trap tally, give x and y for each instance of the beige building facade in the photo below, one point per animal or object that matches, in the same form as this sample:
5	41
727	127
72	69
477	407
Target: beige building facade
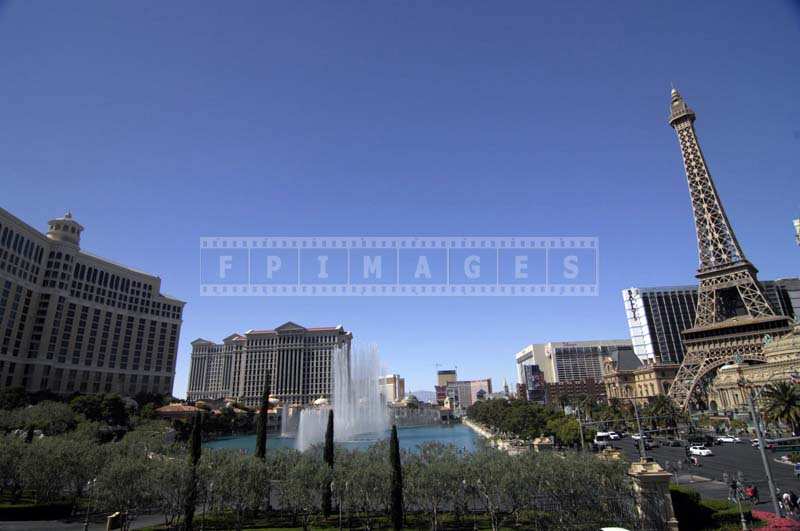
74	322
641	383
392	388
729	388
296	361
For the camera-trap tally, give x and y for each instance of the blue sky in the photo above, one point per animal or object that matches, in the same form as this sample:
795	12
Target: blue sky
158	123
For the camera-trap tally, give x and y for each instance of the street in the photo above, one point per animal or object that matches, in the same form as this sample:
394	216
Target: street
728	458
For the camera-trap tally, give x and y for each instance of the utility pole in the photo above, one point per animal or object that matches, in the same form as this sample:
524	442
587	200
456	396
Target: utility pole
580	427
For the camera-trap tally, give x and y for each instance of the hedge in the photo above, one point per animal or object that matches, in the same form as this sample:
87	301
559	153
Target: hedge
694	513
35	511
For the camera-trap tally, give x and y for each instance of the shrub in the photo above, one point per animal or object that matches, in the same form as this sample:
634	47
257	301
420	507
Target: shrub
35	511
688	510
694	513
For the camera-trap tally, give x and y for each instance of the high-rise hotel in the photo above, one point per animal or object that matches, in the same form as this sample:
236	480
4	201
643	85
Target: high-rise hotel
297	362
658	316
73	322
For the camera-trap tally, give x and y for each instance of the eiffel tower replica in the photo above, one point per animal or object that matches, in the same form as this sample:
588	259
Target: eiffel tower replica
734	319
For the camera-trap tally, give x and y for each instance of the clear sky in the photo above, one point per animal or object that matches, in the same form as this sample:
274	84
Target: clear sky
157	123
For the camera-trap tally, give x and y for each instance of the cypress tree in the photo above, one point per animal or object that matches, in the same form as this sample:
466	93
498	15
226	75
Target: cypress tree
261	427
195	450
326	494
397	480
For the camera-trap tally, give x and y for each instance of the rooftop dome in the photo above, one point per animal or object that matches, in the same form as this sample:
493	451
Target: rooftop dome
65	229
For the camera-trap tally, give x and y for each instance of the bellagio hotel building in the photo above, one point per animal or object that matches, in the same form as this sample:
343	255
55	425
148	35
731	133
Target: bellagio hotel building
74	322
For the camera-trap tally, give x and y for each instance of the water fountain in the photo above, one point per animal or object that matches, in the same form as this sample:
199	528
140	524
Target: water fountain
285	431
358	410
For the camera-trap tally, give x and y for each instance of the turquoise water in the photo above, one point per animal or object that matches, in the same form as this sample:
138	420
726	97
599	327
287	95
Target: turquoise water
456	434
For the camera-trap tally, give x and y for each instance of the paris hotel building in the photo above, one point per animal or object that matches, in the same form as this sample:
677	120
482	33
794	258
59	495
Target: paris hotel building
73	322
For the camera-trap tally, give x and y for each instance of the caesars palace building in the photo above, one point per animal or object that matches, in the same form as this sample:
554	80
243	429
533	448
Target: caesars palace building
74	322
296	364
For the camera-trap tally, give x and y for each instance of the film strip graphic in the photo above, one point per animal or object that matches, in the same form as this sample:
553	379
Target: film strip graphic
399	266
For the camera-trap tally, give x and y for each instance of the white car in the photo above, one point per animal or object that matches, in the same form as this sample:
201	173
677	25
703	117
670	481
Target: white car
614	436
699	450
729	439
636	436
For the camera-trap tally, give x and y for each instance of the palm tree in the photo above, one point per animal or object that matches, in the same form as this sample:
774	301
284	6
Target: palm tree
662	411
782	404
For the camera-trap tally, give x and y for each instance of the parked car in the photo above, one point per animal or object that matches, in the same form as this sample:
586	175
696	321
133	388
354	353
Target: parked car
676	443
602	440
729	439
614	436
700	451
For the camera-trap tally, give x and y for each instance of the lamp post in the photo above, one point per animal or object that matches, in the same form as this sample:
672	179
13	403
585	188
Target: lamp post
751	398
90	484
639	426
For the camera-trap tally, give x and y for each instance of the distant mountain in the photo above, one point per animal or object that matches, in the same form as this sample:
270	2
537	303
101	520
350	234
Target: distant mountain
425	396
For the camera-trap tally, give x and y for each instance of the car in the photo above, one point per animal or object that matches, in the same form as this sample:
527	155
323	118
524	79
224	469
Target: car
729	439
614	436
636	436
767	444
676	443
602	440
700	450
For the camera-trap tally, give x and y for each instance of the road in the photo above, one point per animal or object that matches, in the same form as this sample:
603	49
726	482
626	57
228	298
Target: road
728	458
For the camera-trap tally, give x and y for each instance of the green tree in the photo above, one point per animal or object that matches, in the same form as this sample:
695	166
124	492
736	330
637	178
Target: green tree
782	404
261	426
432	479
662	412
53	418
566	430
90	406
115	412
13	397
329	456
12	452
487	470
397	481
171	487
300	488
240	483
195	451
126	484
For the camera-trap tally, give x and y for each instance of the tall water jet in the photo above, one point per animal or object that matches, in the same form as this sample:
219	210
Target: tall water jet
359	411
285	432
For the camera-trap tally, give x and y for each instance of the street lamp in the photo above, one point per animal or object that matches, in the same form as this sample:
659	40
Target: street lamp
751	398
90	485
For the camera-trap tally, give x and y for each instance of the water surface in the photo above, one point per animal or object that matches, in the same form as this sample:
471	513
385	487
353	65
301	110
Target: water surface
410	438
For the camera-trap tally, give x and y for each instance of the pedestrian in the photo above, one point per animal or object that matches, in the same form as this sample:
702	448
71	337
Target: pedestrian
793	500
732	488
787	503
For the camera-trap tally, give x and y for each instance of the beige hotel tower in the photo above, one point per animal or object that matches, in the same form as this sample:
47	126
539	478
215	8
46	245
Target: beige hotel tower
73	322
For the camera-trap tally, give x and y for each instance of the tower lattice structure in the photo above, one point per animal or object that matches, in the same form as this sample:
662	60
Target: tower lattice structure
733	316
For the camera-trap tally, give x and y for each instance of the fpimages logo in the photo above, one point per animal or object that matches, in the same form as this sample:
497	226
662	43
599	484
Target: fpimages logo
399	266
